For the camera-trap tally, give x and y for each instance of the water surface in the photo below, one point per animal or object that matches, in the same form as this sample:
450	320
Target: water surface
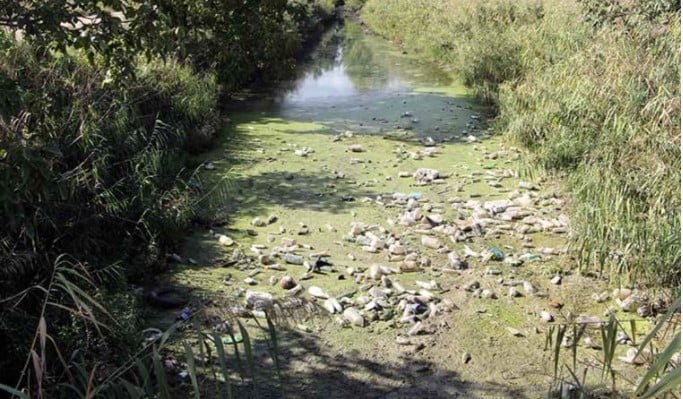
357	81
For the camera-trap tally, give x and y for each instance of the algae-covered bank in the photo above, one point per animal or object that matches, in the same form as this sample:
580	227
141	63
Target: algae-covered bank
370	190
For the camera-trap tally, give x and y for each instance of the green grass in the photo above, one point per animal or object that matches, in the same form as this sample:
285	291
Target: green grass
593	94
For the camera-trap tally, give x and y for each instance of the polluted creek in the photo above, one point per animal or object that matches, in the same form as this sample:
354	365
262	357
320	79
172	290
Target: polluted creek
366	203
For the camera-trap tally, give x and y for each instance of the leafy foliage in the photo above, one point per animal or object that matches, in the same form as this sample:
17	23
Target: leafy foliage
101	104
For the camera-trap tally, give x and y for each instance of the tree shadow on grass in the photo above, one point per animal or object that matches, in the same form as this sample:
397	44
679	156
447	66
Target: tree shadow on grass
309	369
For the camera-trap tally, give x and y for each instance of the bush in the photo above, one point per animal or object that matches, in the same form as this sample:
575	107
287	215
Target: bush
91	168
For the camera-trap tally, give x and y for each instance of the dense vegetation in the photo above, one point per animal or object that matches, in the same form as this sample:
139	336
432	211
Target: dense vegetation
100	104
592	90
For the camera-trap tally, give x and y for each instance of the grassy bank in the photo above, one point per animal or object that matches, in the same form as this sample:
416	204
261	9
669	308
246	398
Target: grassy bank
592	91
97	123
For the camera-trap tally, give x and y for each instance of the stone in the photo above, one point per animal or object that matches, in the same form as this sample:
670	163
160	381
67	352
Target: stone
250	281
354	317
557	280
287	282
293	259
488	294
397	249
425	175
431	242
356	148
529	288
546	316
416	329
621	293
515	332
258	300
258	222
471	286
317	292
455	261
225	240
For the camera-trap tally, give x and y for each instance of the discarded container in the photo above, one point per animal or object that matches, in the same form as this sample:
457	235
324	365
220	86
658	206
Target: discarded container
185	314
496	254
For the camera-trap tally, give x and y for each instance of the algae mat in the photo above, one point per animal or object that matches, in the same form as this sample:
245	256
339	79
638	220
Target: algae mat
379	169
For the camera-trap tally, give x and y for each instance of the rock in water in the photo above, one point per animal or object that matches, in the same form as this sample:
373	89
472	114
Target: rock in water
354	317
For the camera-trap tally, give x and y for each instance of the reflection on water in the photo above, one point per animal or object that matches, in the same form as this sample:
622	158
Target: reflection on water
350	63
360	82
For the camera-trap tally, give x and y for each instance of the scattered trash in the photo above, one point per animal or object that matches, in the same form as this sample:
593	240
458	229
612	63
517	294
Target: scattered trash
184	314
496	254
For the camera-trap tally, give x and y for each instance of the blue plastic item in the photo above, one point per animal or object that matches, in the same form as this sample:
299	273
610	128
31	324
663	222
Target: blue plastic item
497	254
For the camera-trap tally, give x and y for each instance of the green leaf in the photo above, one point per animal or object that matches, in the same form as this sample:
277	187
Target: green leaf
192	368
160	374
661	363
248	354
226	392
668	383
14	392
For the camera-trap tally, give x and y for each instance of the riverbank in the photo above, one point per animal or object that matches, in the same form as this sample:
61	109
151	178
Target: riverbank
592	93
95	161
